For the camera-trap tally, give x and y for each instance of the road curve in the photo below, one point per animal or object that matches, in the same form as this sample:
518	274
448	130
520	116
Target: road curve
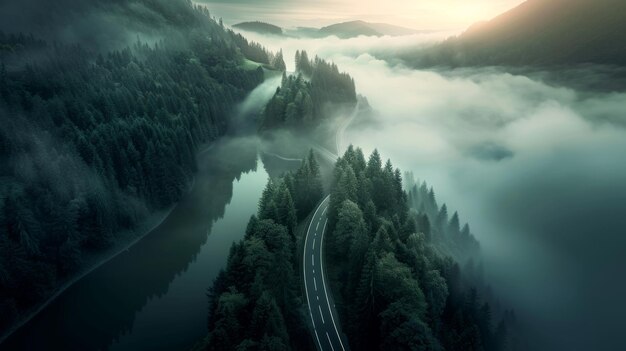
342	128
325	322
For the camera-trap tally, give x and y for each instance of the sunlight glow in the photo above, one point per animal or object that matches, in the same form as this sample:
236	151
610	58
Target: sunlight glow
416	14
433	14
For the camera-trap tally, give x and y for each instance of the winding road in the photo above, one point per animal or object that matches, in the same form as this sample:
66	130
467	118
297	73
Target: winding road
339	136
326	326
344	125
324	318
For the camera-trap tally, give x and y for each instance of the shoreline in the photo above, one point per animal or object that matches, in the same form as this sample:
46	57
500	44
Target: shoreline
127	241
151	223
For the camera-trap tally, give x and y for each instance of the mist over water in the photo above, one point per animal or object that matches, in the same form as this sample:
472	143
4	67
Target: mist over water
536	169
244	118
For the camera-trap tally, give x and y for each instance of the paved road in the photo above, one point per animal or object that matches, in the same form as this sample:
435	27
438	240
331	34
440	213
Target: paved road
326	326
342	128
339	136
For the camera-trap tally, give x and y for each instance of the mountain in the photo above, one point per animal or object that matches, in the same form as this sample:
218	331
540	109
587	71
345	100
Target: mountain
259	27
391	30
354	29
344	30
538	32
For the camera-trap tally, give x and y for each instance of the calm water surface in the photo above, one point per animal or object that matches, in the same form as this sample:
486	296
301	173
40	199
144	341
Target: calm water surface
154	295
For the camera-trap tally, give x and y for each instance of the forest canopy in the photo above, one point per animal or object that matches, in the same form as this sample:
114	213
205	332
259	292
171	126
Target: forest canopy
255	303
91	142
401	285
303	98
402	271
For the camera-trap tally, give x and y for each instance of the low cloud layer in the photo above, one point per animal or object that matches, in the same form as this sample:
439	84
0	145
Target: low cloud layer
536	169
334	48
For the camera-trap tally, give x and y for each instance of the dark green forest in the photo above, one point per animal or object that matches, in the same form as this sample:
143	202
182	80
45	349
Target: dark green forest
256	303
92	142
303	98
396	261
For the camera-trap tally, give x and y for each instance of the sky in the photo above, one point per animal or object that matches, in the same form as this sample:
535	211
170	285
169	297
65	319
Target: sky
416	14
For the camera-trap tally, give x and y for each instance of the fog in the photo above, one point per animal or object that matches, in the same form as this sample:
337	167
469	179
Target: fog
536	169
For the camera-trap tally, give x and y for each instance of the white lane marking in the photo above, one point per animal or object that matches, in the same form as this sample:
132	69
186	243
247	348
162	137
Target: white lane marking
317	336
306	289
332	318
321	314
312	260
317	227
313	243
330	342
324	210
318	297
315	282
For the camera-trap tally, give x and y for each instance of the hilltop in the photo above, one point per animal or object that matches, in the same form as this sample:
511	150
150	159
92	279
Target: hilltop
259	27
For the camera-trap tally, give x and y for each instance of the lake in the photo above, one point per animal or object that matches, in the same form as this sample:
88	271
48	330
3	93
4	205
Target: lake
153	296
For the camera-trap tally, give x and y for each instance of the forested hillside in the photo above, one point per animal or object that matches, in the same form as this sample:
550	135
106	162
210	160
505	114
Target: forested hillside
93	141
304	97
537	32
395	286
255	304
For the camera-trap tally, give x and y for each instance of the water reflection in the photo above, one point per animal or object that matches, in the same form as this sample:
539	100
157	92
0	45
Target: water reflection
103	306
153	296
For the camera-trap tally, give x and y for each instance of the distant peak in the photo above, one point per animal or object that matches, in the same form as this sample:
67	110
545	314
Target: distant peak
259	27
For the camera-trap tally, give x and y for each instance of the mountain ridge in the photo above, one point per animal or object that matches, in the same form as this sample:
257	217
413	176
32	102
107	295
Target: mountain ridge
342	30
537	32
259	27
356	28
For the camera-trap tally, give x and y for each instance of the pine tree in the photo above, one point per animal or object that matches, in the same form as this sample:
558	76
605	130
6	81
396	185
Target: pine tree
227	328
350	224
442	219
267	319
297	60
278	62
362	315
374	165
454	228
266	203
285	210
